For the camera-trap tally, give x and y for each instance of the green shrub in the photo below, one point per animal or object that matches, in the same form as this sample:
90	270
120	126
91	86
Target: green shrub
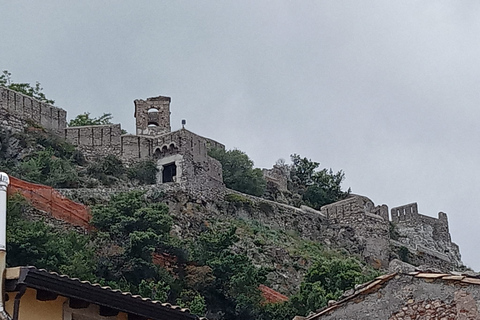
238	199
238	171
145	172
36	243
108	170
45	168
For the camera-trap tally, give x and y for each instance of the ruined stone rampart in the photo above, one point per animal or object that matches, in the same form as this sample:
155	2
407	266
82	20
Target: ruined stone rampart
96	141
364	223
278	176
135	148
407	212
427	235
354	223
18	110
350	209
408	216
421	255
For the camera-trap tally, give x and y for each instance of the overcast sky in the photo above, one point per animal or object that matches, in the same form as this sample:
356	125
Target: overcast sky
388	91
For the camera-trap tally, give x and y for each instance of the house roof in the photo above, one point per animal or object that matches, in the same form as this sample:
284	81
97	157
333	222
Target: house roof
272	296
379	282
94	293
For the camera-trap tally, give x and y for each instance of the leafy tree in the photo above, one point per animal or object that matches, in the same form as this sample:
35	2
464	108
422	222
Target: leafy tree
192	300
43	167
236	280
36	243
25	88
108	169
155	290
238	171
145	172
318	187
84	119
137	228
286	310
128	212
327	279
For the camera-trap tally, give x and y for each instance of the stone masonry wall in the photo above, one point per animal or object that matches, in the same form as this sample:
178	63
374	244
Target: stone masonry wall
278	176
18	110
96	141
364	223
152	115
135	148
190	152
354	223
406	297
425	235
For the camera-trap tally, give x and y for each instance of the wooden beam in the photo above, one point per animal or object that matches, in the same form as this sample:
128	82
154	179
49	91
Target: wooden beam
107	312
78	304
43	295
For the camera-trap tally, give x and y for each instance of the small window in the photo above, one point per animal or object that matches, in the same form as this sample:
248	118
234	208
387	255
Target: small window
152	110
169	172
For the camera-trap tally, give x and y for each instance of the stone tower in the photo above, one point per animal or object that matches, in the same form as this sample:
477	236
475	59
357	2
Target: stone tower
153	116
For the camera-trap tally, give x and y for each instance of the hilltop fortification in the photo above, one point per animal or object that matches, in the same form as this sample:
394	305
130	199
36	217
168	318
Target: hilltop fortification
354	224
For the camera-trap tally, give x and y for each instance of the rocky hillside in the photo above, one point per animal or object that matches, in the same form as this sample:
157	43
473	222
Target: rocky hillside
207	246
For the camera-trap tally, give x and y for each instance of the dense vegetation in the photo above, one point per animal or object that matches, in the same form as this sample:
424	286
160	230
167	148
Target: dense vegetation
314	187
238	171
133	248
84	119
42	157
25	88
317	187
207	273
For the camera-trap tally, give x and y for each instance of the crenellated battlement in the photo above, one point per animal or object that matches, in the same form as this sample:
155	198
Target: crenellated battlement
420	231
353	207
354	223
181	156
408	215
404	213
18	110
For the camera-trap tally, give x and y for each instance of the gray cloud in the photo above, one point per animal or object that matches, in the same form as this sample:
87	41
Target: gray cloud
386	91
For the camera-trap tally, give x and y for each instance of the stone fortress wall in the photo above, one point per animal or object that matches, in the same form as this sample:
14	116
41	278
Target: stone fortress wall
184	152
18	110
354	223
370	227
96	140
424	235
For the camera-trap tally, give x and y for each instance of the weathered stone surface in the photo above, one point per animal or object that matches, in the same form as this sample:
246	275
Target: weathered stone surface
405	297
399	266
354	224
17	110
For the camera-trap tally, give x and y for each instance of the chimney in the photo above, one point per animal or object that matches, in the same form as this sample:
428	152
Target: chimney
4	182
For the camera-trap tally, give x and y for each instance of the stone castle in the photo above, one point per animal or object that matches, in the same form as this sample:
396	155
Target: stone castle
355	223
181	155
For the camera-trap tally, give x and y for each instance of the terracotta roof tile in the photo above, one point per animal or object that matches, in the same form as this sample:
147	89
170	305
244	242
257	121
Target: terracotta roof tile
14	274
375	284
